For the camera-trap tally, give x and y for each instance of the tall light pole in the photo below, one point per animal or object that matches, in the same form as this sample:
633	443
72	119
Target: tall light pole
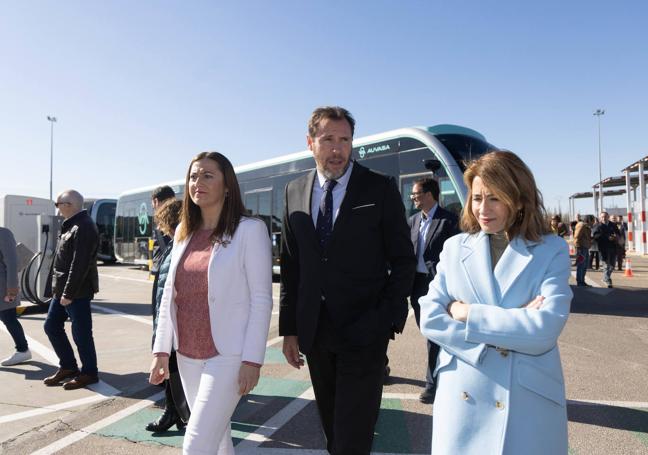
598	114
52	120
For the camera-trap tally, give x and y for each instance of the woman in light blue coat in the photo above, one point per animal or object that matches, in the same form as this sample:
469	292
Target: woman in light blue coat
496	307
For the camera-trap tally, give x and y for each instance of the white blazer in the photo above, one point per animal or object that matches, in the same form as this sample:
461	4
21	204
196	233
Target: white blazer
240	294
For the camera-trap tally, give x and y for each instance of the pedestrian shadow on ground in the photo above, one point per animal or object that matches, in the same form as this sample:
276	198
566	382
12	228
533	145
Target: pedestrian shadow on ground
133	309
608	416
392	380
617	302
397	430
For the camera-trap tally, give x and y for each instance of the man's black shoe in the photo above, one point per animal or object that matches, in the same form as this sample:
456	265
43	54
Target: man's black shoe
428	395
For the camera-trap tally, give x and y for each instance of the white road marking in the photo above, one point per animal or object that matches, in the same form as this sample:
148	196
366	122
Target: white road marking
102	390
273	341
274	423
124	278
589	281
87	431
51	408
132	317
616	404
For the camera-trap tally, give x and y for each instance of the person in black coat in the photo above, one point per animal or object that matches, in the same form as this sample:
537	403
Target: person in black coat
347	267
176	410
429	229
74	283
606	234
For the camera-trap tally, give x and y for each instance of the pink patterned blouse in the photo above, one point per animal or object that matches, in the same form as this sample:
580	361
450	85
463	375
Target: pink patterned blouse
192	298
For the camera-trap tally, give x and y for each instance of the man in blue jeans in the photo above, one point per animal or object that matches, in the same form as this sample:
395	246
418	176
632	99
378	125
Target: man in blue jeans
74	282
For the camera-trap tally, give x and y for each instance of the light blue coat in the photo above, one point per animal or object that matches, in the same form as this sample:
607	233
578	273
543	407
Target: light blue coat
509	400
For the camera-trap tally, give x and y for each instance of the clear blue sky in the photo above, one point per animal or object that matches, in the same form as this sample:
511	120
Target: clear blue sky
140	87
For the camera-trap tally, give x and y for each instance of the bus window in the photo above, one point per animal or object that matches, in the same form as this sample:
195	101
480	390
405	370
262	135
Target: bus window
448	198
259	203
406	187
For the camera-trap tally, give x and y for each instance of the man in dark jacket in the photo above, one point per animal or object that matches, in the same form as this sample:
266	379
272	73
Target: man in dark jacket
429	229
606	235
74	282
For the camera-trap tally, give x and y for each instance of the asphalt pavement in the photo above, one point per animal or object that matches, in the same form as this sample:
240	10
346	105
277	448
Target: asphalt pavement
603	347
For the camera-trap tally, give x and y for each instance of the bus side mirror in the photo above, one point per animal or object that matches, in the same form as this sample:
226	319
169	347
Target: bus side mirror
432	165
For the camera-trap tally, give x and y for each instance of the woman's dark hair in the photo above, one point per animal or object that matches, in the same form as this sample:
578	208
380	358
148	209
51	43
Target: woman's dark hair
233	208
167	216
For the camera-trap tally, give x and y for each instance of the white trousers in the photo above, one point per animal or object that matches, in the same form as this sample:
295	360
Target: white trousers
212	391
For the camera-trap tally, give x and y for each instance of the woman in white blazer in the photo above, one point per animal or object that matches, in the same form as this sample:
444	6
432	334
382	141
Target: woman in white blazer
496	307
217	302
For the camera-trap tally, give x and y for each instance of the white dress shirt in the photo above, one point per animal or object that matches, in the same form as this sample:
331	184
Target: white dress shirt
426	219
339	191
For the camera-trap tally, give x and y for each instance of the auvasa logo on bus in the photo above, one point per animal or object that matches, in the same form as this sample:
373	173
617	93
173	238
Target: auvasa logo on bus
371	150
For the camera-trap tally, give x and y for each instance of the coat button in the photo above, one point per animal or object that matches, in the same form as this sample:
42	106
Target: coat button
465	396
499	405
504	353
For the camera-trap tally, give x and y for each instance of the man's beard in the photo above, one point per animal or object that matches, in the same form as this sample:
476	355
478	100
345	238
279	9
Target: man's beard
335	176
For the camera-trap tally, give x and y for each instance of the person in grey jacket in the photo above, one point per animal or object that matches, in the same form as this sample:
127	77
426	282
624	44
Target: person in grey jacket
9	299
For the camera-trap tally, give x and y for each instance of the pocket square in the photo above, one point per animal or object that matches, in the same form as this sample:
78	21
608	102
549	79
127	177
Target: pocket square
362	206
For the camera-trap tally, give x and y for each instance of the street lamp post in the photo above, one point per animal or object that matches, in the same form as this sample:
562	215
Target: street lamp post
52	120
598	114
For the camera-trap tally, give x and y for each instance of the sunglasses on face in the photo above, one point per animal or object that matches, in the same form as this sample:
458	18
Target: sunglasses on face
58	204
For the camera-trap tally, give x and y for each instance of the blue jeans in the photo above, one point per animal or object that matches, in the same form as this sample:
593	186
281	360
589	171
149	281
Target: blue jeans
10	320
582	261
81	317
609	261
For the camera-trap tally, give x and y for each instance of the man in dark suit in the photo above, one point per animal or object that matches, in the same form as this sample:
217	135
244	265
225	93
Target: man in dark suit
347	267
429	228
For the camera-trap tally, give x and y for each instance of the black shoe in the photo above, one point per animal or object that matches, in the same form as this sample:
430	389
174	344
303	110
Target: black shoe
428	395
164	422
610	286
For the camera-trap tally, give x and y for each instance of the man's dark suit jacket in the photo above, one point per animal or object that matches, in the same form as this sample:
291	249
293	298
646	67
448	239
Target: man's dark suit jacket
364	274
444	225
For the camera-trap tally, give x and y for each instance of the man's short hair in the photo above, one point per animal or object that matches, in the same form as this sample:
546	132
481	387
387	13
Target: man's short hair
162	193
329	113
429	185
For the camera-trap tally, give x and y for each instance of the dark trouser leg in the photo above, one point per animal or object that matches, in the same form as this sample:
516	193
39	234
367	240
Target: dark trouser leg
81	317
359	384
321	365
10	320
581	265
433	352
348	385
179	400
420	288
55	330
620	257
609	261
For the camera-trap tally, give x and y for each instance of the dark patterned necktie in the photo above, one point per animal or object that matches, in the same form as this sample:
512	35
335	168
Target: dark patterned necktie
325	215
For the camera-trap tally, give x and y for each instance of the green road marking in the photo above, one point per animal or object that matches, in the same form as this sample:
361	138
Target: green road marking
391	434
132	428
278	387
274	355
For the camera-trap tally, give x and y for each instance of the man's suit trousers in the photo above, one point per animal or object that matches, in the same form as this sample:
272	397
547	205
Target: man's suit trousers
348	382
